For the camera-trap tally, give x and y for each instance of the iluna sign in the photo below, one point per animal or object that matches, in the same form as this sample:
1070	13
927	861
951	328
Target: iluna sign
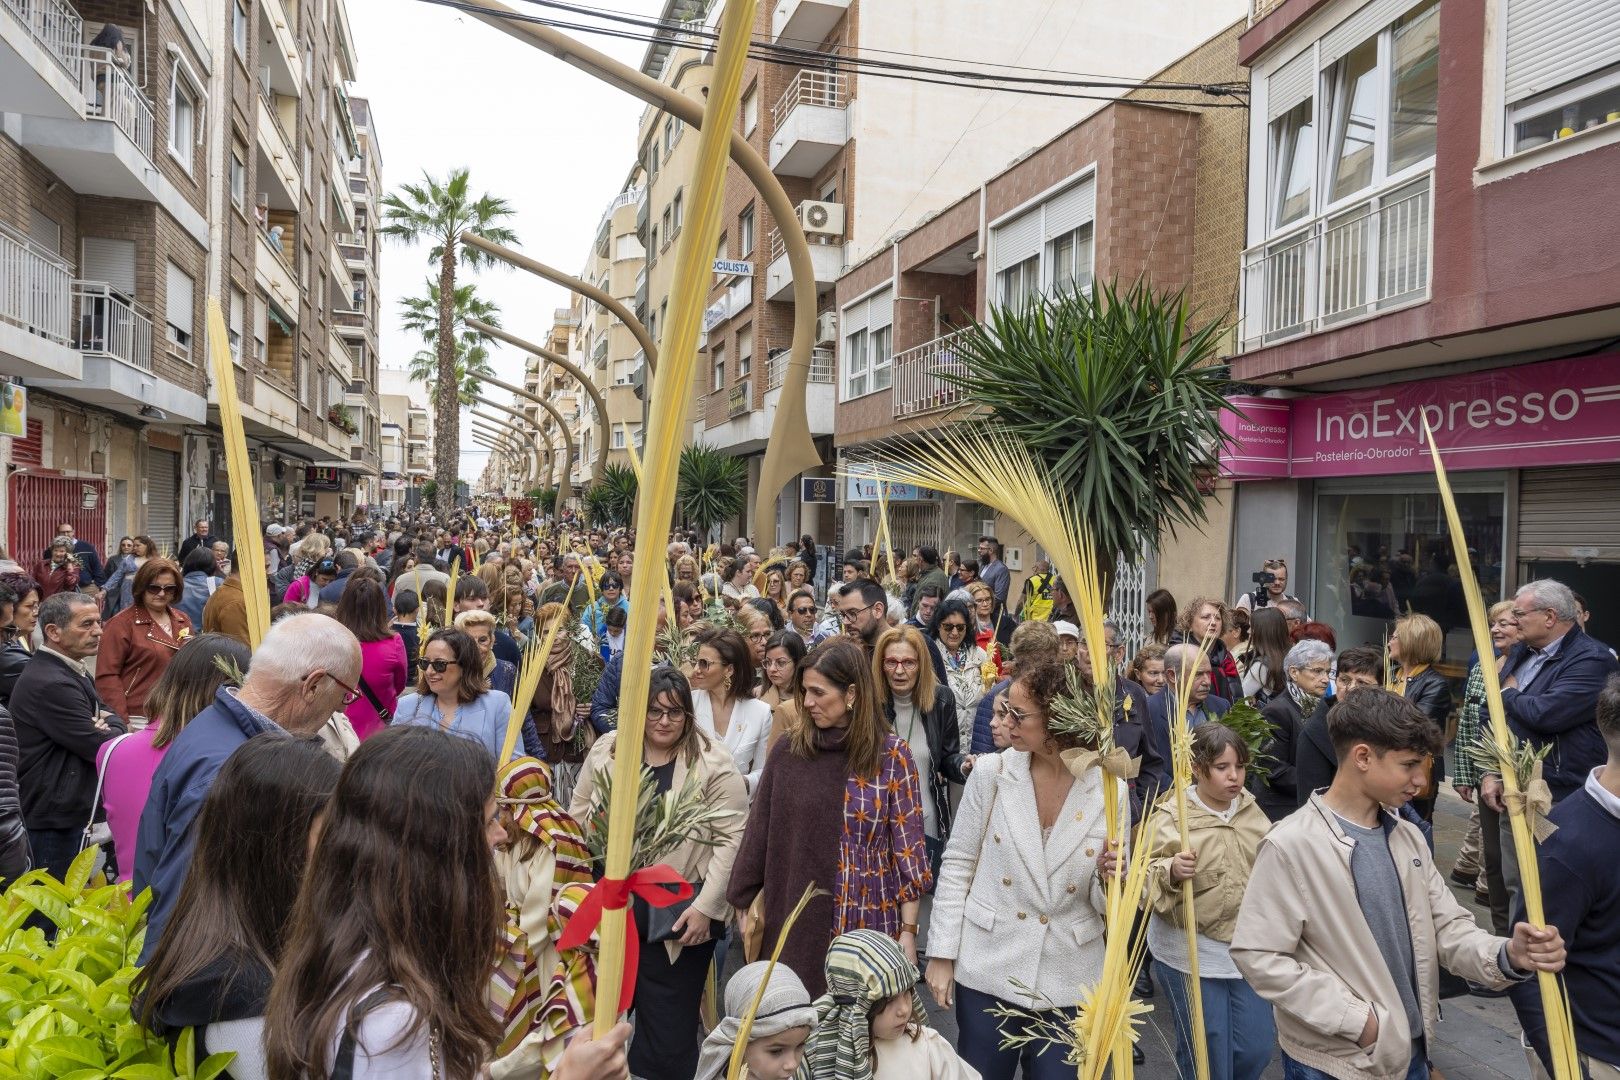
1561	412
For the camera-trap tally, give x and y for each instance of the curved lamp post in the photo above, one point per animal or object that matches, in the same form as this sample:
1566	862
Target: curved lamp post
790	450
564	487
528	429
522	443
567	365
495	443
572	284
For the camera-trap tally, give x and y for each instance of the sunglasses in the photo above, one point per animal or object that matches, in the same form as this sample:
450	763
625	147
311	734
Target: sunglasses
440	666
804	611
953	627
161	590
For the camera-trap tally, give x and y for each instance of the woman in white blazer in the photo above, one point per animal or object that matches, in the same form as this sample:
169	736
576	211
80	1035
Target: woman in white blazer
1018	905
726	709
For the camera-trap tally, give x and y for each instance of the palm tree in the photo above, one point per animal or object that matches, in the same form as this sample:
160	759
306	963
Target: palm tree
710	485
421	315
1117	392
436	213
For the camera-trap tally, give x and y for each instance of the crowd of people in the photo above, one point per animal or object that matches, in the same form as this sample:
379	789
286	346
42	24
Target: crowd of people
363	857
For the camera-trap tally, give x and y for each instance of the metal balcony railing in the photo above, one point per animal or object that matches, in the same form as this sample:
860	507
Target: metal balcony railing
826	88
111	95
55	25
917	386
821	367
110	325
34	289
1351	263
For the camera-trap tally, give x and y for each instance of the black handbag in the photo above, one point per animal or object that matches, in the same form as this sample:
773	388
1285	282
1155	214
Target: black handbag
660	921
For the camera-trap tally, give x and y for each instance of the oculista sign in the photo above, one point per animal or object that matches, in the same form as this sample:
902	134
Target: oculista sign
1560	412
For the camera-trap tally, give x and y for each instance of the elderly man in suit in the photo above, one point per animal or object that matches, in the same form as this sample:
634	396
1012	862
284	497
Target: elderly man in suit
1550	685
1201	705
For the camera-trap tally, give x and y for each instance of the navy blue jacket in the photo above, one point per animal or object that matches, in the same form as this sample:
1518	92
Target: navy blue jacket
983	743
506	647
164	840
1158	718
606	698
1582	898
332	592
1560	707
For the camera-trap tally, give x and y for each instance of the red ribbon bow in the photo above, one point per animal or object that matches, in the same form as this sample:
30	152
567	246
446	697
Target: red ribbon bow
613	894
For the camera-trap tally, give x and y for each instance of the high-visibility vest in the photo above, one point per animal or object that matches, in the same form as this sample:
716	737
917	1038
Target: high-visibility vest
1037	598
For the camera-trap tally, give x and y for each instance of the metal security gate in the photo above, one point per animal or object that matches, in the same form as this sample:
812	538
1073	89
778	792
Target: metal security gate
1127	607
911	524
163	498
42	501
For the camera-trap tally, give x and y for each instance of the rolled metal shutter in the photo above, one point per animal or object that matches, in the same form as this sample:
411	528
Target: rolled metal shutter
1570	515
1550	42
1019	239
163	498
1290	84
1372	18
1071	208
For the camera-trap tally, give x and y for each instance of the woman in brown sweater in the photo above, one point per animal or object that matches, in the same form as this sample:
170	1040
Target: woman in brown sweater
138	642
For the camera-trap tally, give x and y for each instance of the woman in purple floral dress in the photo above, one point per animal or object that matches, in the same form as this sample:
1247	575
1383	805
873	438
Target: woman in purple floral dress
839	806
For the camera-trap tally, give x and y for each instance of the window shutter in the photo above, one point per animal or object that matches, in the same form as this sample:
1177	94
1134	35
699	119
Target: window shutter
1372	18
1550	42
44	231
1290	84
853	319
112	261
1071	209
177	304
238	302
1016	241
880	310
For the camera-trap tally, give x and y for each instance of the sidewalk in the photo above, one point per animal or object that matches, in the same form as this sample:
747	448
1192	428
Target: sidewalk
1477	1038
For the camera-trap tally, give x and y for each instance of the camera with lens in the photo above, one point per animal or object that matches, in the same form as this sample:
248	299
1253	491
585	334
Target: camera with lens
1261	579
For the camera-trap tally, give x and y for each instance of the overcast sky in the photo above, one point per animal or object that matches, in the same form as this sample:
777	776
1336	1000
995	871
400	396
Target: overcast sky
449	91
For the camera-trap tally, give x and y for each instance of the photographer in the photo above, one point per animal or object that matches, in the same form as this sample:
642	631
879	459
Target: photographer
1270	585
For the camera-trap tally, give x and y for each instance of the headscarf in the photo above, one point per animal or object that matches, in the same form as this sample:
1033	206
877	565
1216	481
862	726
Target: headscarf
786	1005
526	794
560	666
864	969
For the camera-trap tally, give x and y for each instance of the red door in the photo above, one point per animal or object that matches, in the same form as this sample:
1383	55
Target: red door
41	500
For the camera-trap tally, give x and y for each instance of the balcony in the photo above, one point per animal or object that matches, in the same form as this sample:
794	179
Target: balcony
278	48
274	273
109	151
112	325
806	23
811	123
1354	263
826	259
364	456
35	312
39	58
821	367
278	168
917	388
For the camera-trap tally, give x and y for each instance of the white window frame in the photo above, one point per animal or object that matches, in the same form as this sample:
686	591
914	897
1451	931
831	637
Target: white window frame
717	354
238	323
745	351
180	338
867	354
1049	253
241	32
857	383
750	110
1026	274
238	180
197	93
1570	93
679	208
747	232
880	356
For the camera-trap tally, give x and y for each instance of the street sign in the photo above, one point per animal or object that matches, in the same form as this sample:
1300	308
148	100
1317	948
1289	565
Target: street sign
734	266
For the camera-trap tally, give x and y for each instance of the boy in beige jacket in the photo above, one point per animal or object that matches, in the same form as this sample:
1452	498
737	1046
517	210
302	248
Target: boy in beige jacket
1347	921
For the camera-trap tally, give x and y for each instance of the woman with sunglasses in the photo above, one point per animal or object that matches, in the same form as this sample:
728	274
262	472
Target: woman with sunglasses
726	709
594	617
669	984
453	694
964	662
306	590
138	643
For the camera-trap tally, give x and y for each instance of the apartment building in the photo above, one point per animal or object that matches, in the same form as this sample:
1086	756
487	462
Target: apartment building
863	158
1431	249
1146	187
406	430
154	153
356	322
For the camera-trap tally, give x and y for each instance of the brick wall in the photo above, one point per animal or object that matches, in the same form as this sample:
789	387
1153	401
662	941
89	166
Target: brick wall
23	188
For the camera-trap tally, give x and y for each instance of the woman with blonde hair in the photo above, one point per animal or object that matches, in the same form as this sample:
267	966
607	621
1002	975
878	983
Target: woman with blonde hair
1414	648
922	711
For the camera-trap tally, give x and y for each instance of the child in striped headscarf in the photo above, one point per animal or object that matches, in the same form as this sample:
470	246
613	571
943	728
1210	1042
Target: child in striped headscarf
871	1024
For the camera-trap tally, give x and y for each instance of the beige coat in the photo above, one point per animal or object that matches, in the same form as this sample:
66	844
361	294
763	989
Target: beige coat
1303	944
1226	850
721	785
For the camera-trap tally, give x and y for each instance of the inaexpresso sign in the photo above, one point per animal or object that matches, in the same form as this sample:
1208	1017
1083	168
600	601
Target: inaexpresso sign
1561	412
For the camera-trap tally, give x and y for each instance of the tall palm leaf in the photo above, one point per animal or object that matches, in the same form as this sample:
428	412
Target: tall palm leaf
711	486
420	314
436	212
1118	393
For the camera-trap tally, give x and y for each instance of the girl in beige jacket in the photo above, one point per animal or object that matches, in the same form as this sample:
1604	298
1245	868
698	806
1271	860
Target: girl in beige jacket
1224	825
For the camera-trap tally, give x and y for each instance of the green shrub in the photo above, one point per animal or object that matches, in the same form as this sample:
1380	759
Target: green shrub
64	1004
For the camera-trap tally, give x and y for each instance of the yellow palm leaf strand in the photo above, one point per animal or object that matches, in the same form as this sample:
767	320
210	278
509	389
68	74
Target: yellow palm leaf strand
671	392
734	1068
450	593
663	576
1554	997
528	683
1181	767
244	508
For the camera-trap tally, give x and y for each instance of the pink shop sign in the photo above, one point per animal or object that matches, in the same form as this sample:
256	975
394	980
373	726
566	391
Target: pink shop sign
1259	428
1560	412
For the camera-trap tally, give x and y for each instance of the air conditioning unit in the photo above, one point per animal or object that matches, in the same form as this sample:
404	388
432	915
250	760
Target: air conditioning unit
822	218
826	328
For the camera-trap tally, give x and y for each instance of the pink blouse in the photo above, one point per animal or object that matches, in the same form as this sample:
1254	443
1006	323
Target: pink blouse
384	668
127	783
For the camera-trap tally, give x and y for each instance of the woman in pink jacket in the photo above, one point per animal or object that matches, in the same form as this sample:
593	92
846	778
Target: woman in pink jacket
128	763
384	667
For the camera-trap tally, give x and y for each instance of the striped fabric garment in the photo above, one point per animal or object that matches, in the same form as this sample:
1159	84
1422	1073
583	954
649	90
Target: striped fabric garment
864	969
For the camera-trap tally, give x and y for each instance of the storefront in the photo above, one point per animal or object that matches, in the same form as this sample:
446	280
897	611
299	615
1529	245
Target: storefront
1341	485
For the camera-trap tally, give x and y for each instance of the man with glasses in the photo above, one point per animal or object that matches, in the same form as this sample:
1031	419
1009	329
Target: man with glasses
801	613
307	668
863	611
1551	681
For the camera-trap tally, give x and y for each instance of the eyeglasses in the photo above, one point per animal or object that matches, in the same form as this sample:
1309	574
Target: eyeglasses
350	694
440	666
893	663
1517	614
1320	670
759	635
848	614
1017	715
702	664
673	716
774	662
160	590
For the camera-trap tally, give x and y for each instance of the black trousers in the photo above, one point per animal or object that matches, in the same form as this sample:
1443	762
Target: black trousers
667	1007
